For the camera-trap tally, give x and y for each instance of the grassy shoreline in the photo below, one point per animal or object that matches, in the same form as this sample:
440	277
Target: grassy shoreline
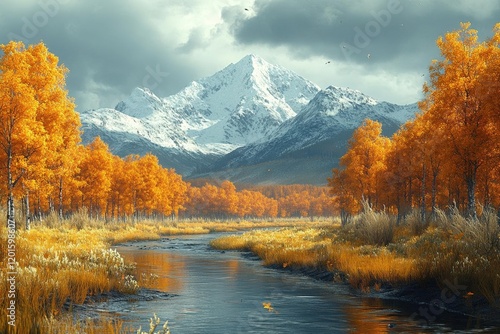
66	261
374	255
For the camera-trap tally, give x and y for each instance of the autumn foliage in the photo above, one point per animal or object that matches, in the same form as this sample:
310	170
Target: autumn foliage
43	163
449	154
225	201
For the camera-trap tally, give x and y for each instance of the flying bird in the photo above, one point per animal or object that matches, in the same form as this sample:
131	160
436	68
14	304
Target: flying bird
246	9
328	62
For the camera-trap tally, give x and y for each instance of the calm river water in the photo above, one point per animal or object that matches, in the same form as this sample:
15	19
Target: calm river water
225	292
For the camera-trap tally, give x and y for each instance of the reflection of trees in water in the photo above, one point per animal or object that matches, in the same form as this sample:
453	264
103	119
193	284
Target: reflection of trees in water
363	319
170	268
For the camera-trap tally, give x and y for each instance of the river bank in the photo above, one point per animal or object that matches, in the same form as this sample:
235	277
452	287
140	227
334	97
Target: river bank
450	265
430	298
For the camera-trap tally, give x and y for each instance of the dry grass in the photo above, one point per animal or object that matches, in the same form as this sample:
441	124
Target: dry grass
462	249
372	251
58	266
372	228
321	248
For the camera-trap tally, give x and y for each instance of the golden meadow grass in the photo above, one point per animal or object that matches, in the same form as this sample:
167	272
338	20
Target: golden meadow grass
58	266
63	261
372	251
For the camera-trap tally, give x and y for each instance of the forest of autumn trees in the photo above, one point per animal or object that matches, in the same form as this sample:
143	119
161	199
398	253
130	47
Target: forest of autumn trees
449	154
43	163
223	201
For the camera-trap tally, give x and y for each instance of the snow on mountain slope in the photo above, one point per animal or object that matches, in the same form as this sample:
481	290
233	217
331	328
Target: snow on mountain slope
331	116
242	103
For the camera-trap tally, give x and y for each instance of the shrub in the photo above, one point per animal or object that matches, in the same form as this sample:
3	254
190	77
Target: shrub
374	228
413	221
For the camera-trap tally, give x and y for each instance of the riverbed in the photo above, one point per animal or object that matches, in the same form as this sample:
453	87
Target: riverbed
211	291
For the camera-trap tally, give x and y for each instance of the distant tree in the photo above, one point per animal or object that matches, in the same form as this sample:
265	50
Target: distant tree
362	166
95	174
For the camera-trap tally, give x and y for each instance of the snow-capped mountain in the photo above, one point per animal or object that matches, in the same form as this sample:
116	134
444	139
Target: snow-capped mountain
238	105
242	103
305	148
250	122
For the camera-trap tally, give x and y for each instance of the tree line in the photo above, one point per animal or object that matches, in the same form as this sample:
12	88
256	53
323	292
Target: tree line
448	154
225	200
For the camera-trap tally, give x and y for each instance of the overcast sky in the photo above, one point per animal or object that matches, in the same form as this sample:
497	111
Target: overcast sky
380	47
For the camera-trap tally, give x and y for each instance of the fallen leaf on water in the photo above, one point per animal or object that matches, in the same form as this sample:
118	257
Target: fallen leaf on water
268	306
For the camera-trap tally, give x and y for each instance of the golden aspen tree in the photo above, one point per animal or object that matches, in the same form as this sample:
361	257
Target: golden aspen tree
120	188
344	200
96	171
256	204
244	203
72	200
417	144
167	187
22	135
364	162
455	102
229	198
57	113
147	190
210	203
192	203
133	181
38	120
271	207
490	90
177	192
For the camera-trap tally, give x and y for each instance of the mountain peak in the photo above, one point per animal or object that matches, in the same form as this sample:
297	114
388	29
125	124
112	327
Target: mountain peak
244	101
141	103
252	59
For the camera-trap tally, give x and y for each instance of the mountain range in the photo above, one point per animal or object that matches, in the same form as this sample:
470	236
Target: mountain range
251	122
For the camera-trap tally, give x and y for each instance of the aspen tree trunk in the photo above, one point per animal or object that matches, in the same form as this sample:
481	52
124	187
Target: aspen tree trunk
11	222
471	198
28	213
434	193
422	202
60	198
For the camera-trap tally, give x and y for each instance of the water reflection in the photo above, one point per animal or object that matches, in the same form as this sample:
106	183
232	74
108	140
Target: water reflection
233	268
364	318
170	268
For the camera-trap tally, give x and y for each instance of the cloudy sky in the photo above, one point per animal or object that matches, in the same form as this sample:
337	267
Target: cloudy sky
381	47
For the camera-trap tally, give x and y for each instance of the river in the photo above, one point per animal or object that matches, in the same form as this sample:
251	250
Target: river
231	292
